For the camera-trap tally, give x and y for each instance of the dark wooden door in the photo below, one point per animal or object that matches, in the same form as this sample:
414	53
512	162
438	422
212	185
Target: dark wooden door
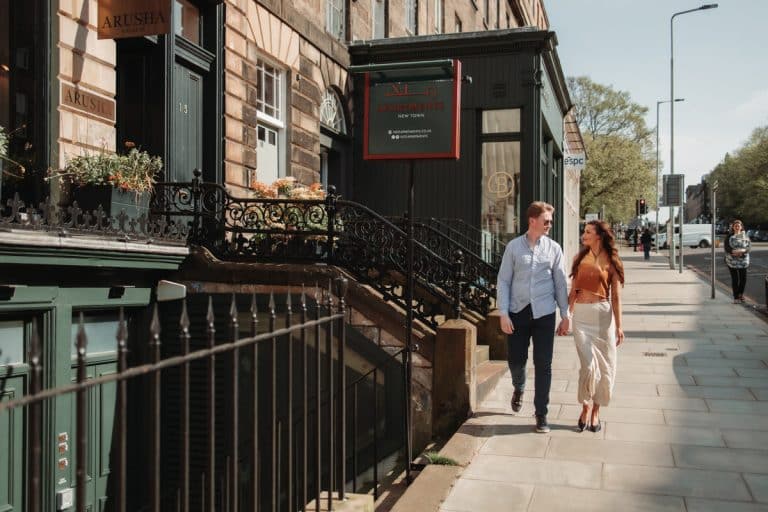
186	151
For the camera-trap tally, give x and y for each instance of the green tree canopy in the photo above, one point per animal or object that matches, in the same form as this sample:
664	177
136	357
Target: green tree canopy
743	181
620	165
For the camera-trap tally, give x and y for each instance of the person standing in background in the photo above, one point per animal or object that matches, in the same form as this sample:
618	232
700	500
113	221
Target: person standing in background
737	245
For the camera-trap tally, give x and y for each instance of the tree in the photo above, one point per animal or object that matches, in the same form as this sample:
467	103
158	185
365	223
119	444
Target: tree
621	162
743	181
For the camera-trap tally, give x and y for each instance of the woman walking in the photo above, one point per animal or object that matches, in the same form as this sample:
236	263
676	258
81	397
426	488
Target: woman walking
595	302
737	247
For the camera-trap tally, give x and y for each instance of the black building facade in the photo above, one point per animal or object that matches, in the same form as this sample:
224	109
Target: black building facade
511	132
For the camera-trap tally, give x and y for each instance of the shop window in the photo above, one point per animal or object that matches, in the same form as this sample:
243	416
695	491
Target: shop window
332	112
501	192
23	96
187	20
501	121
334	18
270	131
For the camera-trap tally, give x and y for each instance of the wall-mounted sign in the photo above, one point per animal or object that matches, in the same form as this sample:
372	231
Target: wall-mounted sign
575	161
412	114
87	102
133	18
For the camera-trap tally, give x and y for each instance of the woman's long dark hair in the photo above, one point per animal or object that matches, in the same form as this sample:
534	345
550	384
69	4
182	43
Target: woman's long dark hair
603	230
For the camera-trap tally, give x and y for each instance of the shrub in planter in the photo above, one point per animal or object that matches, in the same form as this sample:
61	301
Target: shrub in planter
116	182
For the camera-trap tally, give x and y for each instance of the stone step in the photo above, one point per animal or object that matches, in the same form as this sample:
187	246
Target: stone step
482	354
488	375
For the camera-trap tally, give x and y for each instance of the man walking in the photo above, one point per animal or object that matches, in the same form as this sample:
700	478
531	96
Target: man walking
531	285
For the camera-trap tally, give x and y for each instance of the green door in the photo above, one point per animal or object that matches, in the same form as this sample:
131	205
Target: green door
101	357
11	447
187	127
13	372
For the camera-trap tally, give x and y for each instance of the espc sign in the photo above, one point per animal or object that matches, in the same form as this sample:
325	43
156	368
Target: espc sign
575	161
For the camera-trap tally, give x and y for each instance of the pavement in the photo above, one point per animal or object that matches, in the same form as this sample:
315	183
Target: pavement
687	429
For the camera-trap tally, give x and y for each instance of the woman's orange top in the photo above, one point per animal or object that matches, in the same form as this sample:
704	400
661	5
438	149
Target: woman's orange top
593	275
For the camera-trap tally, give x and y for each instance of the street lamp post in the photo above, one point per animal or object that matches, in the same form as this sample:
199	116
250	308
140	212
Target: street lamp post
672	119
657	175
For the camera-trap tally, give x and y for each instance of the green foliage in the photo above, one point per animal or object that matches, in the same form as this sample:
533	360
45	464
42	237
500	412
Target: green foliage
621	165
135	171
743	181
435	458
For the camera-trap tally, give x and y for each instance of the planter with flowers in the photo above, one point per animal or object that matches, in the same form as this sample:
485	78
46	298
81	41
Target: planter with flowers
114	182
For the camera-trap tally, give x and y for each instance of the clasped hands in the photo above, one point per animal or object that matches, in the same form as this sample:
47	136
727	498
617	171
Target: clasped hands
508	328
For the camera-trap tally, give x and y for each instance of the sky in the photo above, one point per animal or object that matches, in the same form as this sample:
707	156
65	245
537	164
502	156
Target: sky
720	60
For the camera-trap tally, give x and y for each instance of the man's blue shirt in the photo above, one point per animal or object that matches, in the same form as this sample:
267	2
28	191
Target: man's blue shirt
532	276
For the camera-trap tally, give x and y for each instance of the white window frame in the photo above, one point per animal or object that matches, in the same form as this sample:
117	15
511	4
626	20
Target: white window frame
439	16
335	18
277	121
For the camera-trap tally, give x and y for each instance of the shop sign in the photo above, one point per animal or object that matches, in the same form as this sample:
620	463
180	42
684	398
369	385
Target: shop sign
575	161
87	102
133	18
408	117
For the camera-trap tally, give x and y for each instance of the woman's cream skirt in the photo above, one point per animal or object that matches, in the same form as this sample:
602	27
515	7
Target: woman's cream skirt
595	335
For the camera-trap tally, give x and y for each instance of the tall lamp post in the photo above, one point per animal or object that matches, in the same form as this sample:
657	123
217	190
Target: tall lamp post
657	173
672	120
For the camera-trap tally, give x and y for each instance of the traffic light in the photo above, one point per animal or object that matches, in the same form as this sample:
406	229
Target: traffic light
643	207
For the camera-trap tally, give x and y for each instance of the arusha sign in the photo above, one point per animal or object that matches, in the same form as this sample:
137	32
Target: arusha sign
133	18
409	114
87	102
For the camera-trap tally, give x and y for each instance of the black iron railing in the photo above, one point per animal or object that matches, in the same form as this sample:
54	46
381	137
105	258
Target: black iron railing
295	368
488	246
479	276
330	230
75	221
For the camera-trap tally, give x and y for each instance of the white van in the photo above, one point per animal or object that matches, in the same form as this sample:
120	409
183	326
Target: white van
694	235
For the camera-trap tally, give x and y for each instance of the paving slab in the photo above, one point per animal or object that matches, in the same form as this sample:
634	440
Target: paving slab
725	459
469	495
676	482
700	505
566	499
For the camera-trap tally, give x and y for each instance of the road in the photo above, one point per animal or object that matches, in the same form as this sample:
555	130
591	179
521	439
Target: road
701	260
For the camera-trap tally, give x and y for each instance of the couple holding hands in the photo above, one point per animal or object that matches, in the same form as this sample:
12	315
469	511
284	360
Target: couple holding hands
532	285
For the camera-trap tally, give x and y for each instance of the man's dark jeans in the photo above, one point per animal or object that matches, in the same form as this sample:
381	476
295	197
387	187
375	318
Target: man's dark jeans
542	330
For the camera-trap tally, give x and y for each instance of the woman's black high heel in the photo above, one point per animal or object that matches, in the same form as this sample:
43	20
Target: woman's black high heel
582	424
596	427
